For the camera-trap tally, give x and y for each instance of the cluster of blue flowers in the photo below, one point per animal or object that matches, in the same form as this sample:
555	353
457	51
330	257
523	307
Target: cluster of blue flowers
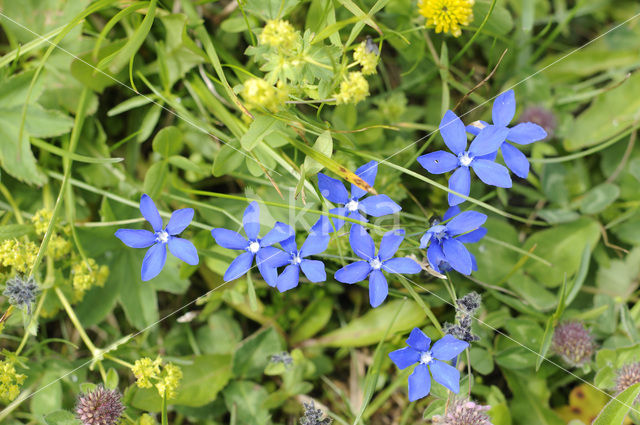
444	241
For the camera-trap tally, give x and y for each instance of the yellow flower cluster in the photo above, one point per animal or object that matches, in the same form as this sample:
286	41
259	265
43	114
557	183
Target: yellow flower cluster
447	15
41	221
353	89
279	34
10	382
58	247
146	419
151	372
260	94
87	274
17	254
367	59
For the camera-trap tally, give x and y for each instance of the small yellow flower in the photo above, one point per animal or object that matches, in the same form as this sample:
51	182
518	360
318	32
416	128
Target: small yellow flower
367	59
58	247
87	274
145	370
10	382
169	381
146	419
17	254
260	94
353	89
41	221
279	34
447	15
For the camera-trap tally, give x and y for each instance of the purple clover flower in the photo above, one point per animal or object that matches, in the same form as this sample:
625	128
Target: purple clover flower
160	238
372	266
353	205
445	242
487	142
504	109
266	255
296	260
431	362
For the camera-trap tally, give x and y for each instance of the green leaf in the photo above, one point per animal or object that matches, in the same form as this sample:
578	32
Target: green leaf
324	145
168	141
247	400
156	178
112	379
11	231
50	397
262	126
313	320
371	327
254	353
270	9
228	159
599	198
617	409
61	417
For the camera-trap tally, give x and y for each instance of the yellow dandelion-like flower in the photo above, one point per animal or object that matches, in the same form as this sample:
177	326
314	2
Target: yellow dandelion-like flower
447	15
279	34
260	94
353	89
367	58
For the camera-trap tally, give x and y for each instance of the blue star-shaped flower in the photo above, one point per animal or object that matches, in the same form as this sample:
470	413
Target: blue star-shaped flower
431	362
504	109
253	246
354	206
315	243
487	142
445	242
160	238
372	266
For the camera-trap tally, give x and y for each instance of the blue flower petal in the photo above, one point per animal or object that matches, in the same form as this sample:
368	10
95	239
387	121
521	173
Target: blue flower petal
378	288
279	233
504	108
361	242
267	260
418	340
355	215
153	261
239	266
460	181
419	383
473	237
150	212
354	272
445	375
476	127
492	173
436	257
488	141
184	250
314	244
321	227
438	162
313	270
378	205
136	238
474	263
289	278
337	223
251	221
448	348
465	222
368	173
453	132
289	244
229	239
451	212
457	256
425	239
332	189
179	221
404	357
390	243
525	133
402	265
515	160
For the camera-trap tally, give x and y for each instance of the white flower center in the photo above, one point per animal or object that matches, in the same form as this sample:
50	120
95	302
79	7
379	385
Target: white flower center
375	264
426	357
254	247
465	159
295	259
352	205
162	236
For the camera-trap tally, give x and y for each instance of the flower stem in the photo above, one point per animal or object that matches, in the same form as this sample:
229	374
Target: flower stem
76	322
